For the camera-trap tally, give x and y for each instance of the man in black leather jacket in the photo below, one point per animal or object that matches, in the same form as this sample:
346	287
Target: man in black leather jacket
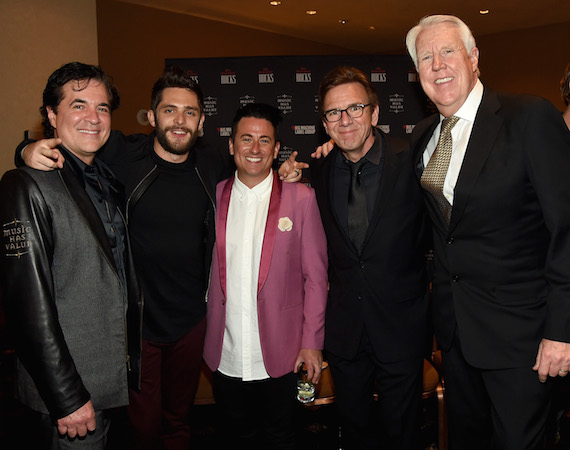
68	285
170	191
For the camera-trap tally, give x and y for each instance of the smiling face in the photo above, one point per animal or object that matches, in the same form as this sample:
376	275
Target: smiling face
83	118
447	72
354	136
177	121
254	149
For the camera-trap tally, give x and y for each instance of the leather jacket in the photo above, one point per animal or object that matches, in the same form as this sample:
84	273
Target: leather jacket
63	299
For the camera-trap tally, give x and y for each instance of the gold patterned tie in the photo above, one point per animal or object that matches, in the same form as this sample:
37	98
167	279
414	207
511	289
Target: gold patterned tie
434	174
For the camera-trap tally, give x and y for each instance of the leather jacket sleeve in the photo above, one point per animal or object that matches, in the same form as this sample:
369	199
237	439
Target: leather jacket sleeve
28	295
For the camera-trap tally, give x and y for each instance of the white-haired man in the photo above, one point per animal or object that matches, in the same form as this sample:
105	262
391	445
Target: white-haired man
497	189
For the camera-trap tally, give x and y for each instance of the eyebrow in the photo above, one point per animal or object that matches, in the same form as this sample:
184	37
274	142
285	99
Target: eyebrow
84	102
194	108
251	136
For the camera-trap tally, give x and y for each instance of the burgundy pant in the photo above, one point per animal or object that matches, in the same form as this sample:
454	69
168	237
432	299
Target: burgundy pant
159	413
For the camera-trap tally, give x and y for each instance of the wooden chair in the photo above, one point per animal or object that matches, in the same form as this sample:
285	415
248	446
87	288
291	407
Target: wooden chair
433	386
205	392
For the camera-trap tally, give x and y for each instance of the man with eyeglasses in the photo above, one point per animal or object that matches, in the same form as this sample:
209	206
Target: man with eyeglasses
376	321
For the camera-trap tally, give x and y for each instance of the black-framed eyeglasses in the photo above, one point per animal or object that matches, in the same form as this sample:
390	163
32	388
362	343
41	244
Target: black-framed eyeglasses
353	111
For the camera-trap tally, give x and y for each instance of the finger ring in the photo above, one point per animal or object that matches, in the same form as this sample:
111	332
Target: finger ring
563	371
297	172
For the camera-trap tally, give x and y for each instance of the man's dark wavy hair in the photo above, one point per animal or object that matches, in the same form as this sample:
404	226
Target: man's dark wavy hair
175	77
74	71
258	111
344	75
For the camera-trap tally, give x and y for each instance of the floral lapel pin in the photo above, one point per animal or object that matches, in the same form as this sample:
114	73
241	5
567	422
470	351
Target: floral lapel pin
285	224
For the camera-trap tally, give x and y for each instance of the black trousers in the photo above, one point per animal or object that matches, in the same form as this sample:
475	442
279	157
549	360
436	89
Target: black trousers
494	409
393	422
257	414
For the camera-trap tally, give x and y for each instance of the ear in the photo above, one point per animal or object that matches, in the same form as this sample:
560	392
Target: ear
201	123
375	115
150	116
231	146
51	116
277	147
325	127
474	57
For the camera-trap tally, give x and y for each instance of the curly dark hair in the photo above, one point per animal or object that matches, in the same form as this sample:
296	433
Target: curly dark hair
175	77
73	71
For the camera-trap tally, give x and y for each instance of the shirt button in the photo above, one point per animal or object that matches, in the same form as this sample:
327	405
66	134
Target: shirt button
450	240
455	278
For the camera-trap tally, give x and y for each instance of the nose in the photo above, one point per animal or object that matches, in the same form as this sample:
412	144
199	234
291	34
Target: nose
345	119
438	62
179	118
254	147
92	115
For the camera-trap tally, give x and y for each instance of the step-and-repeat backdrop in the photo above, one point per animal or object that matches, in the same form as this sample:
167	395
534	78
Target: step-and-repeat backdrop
291	83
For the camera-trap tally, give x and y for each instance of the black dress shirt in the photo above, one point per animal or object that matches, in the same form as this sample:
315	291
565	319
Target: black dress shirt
98	182
370	177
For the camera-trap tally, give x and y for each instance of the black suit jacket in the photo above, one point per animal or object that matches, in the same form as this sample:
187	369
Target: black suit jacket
502	267
383	290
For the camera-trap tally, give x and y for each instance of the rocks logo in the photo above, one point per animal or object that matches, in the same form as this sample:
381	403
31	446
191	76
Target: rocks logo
193	75
409	128
378	75
303	75
396	103
228	77
384	128
265	76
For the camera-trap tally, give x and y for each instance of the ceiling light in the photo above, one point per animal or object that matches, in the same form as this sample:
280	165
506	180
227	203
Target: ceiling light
483	11
342	21
274	3
311	12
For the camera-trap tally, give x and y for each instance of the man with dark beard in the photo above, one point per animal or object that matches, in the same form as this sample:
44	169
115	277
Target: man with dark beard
170	191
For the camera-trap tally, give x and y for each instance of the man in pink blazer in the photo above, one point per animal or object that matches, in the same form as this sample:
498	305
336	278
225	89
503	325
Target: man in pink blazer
268	288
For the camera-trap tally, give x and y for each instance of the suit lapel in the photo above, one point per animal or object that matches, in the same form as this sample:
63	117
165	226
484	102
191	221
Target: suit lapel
387	183
419	148
87	211
221	223
270	231
485	129
422	144
322	179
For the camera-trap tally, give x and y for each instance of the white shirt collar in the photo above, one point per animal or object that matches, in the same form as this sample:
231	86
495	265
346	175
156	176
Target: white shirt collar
260	190
468	110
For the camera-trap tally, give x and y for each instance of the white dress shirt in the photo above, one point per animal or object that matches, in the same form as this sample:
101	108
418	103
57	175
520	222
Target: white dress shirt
247	216
460	135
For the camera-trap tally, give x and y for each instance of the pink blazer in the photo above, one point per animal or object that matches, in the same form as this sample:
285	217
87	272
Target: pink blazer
292	287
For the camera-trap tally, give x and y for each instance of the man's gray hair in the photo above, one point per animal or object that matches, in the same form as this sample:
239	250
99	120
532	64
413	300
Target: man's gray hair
428	21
